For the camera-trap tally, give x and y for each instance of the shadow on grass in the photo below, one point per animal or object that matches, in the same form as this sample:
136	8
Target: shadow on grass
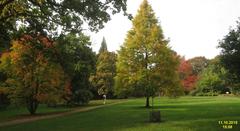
37	115
188	112
192	117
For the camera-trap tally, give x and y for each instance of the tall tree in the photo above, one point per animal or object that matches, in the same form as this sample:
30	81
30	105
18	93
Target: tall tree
103	80
103	47
230	53
145	62
77	60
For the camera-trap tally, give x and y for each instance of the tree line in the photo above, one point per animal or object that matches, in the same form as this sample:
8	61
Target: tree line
45	56
47	59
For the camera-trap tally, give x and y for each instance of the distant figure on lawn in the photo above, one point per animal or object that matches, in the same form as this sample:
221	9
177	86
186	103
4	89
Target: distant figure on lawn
104	99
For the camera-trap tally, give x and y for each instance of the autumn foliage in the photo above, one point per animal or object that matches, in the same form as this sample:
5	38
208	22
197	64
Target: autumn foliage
188	79
33	72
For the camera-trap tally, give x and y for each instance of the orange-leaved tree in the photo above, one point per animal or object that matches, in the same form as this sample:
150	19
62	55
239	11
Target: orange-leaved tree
33	74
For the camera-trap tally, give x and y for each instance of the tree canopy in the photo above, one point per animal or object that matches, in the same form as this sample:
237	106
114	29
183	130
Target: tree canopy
198	64
70	14
54	17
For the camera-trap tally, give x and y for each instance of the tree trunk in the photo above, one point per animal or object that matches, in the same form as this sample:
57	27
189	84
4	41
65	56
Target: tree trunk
32	105
147	102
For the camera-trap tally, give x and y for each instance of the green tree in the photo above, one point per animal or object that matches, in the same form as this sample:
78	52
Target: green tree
47	16
5	36
32	74
103	80
198	64
78	62
213	78
145	62
230	54
103	47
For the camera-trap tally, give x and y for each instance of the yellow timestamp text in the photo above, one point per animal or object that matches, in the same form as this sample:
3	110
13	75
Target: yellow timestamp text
228	124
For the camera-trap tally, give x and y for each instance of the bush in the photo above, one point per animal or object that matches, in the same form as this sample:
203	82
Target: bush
236	89
200	94
207	94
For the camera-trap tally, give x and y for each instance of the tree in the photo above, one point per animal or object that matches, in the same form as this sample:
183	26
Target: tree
103	47
189	83
33	75
78	63
188	79
145	62
4	93
185	68
213	78
68	14
198	64
5	36
230	53
103	80
47	16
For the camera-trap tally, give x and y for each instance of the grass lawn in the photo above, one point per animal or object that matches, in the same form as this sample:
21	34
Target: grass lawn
12	112
183	114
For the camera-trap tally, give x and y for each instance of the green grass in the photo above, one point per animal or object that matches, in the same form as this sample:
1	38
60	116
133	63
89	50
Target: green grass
12	112
183	114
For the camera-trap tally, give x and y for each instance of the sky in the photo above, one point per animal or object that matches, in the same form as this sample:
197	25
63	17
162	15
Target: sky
194	27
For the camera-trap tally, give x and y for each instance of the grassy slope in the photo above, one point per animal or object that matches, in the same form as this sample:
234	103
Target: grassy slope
186	113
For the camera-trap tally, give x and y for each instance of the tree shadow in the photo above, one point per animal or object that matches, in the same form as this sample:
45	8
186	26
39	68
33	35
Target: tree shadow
37	115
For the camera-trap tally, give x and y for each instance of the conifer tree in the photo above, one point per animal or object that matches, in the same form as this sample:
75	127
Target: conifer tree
145	62
103	46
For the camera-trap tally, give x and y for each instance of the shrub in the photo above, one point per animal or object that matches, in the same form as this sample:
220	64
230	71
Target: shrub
207	94
236	89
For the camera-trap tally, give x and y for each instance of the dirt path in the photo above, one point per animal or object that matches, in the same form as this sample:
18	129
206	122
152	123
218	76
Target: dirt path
35	118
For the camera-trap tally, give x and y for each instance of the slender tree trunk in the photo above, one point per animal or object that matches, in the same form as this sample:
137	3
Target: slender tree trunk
32	105
31	101
147	102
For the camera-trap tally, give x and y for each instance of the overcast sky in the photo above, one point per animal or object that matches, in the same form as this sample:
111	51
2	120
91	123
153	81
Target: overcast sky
194	27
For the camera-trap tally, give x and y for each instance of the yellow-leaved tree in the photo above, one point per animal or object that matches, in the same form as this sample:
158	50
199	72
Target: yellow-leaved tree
146	65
